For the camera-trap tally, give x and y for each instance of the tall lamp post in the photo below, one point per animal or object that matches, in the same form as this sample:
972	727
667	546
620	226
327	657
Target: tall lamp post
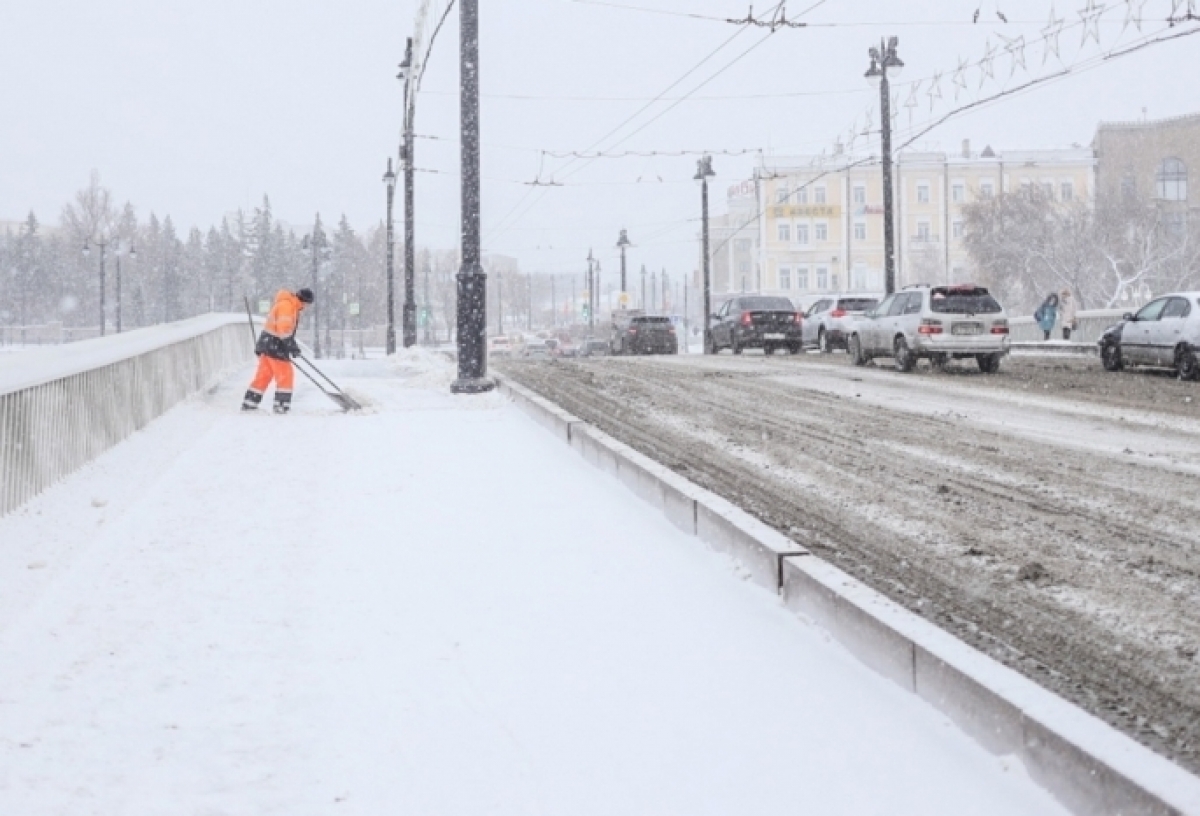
591	292
886	62
623	243
87	250
472	282
406	155
704	172
321	251
389	179
133	257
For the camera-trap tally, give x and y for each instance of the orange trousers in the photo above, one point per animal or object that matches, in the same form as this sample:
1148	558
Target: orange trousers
280	371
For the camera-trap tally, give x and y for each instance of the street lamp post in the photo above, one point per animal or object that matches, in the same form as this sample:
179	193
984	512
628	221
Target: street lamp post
704	172
643	301
596	292
406	155
132	256
472	282
87	250
389	179
316	242
623	242
885	60
591	292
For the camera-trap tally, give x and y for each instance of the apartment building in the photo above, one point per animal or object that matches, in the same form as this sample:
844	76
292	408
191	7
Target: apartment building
1150	161
821	228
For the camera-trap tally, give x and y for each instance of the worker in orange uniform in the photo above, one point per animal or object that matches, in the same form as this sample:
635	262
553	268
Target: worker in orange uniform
275	348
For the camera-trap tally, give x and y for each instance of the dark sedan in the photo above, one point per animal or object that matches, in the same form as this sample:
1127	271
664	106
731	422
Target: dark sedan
756	321
635	333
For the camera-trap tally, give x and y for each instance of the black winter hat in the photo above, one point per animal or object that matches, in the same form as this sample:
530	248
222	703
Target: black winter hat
305	295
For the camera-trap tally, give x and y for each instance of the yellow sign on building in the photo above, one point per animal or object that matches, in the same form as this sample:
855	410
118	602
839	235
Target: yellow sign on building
807	211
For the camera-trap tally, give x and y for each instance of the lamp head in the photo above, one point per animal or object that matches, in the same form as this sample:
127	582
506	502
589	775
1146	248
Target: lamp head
389	178
87	248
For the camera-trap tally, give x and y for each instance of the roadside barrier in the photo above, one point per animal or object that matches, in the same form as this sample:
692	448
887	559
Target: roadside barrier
1091	325
62	406
1089	766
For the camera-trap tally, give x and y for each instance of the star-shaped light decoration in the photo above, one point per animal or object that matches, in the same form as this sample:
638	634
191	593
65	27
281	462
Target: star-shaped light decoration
1091	21
935	89
1015	46
960	77
1050	37
1134	14
912	103
987	65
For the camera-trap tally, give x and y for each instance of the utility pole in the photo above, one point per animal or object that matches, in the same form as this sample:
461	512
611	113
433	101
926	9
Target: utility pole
596	293
665	292
704	172
389	179
406	154
653	286
553	305
591	291
87	250
884	60
472	282
623	242
643	301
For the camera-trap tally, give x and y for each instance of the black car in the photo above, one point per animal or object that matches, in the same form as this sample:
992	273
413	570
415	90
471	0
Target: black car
757	321
635	333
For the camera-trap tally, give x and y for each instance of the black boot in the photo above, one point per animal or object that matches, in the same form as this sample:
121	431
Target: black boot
251	401
283	402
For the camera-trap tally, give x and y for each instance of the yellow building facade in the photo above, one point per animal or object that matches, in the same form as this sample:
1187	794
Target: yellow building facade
822	227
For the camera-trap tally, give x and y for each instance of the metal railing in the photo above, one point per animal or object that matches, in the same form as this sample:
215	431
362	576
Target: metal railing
61	407
1091	325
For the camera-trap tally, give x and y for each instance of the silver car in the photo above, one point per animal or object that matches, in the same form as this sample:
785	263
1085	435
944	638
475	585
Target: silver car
937	323
1165	332
828	322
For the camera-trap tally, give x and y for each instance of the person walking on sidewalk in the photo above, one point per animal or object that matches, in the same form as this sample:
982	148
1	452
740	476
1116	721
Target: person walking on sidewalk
1070	316
275	349
1047	314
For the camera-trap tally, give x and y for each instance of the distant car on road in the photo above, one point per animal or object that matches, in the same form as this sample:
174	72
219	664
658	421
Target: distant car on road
499	346
594	348
938	323
827	322
1164	333
636	333
536	350
756	321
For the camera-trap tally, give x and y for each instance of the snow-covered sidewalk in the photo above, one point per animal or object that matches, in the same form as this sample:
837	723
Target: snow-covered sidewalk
431	608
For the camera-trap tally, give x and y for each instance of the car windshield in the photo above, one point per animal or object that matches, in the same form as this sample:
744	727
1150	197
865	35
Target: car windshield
857	304
765	304
652	321
963	300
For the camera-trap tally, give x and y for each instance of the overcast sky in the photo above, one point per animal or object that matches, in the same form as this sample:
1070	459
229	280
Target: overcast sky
197	109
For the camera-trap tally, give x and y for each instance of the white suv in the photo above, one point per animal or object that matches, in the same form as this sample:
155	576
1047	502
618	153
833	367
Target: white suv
938	323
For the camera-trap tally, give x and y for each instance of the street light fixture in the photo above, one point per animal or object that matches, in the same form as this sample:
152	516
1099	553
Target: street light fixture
132	253
87	251
622	244
704	172
885	63
406	156
389	179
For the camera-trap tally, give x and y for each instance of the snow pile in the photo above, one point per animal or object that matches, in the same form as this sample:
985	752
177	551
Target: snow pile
434	370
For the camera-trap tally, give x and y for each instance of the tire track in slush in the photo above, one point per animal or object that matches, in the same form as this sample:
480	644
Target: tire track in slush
1092	631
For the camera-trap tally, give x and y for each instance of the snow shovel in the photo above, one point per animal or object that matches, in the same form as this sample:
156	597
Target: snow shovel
344	401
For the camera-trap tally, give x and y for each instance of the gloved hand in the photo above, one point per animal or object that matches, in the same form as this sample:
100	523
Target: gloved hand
293	347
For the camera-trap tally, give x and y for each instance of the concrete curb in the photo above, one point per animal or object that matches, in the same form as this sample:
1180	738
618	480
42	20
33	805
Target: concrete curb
1090	767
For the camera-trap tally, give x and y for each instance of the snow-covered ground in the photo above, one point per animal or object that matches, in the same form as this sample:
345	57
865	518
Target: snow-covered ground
433	607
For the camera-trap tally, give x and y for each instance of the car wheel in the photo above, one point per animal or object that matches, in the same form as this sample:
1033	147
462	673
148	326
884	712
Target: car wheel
938	362
1186	364
795	348
856	353
988	363
823	342
1110	357
735	345
905	359
769	350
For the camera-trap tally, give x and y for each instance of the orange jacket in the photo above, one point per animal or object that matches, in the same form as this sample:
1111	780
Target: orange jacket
278	337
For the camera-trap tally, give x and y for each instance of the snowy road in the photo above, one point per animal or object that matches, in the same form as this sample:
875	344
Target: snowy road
433	608
1051	527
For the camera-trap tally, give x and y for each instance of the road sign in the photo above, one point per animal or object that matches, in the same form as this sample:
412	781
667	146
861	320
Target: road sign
354	309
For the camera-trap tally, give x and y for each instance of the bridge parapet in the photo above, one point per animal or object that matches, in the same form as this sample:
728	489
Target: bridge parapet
62	406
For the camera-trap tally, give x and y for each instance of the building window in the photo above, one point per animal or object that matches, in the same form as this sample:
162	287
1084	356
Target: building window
833	280
922	193
785	232
822	277
819	195
802	195
860	195
802	278
986	190
860	276
1172	180
959	193
822	231
1068	191
958	229
860	231
785	278
922	232
1048	189
802	233
781	194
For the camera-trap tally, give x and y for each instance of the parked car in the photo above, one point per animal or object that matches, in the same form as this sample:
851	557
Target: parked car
536	350
827	322
564	349
499	346
937	323
594	348
634	332
757	321
1165	333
